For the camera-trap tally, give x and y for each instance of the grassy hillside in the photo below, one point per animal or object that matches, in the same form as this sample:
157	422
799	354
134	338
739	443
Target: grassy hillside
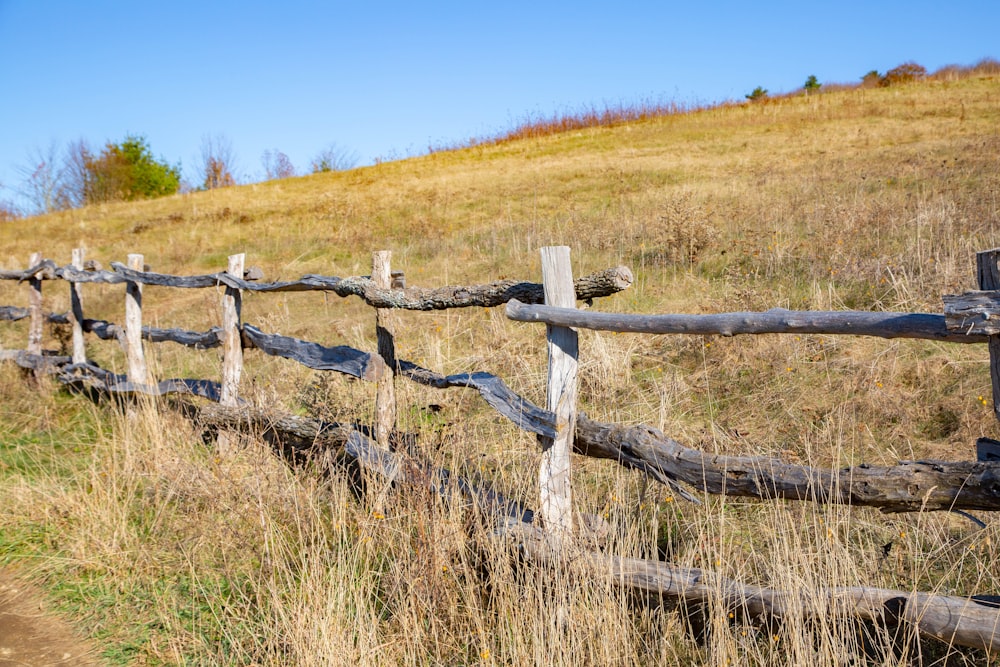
863	198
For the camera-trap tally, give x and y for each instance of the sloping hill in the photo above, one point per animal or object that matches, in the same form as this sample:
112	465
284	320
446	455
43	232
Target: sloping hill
868	198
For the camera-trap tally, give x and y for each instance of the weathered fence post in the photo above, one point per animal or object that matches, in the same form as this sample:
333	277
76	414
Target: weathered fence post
137	372
76	311
385	396
232	346
35	307
554	476
232	343
989	279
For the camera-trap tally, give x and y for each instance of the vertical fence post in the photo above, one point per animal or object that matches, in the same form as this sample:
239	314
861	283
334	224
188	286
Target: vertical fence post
232	346
232	343
989	279
76	311
554	475
35	307
385	396
133	325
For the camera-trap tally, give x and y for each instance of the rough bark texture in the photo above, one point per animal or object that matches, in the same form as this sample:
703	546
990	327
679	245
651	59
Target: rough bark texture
952	619
989	279
134	354
908	487
777	320
603	283
385	392
76	311
35	308
341	358
973	313
554	475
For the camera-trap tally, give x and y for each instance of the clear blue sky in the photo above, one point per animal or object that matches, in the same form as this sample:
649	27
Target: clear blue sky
388	79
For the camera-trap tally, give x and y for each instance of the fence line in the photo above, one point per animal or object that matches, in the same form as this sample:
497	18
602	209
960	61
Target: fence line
930	485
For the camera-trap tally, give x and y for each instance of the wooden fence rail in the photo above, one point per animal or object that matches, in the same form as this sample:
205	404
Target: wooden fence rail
909	486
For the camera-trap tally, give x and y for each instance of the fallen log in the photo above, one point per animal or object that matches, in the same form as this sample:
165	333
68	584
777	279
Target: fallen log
951	619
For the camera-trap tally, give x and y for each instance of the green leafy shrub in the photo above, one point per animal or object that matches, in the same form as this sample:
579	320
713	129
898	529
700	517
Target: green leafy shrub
757	93
126	171
812	84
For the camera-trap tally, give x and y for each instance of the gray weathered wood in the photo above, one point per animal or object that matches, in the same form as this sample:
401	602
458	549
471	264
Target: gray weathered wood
232	345
776	320
600	284
556	506
910	486
342	359
951	619
385	395
136	359
973	312
76	311
989	279
35	308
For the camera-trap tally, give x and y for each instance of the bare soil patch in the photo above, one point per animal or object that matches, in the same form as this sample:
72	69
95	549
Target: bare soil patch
30	634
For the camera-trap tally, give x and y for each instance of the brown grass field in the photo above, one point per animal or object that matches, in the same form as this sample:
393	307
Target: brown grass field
857	198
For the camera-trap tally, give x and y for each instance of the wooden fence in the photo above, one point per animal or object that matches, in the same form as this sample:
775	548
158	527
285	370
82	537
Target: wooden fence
908	486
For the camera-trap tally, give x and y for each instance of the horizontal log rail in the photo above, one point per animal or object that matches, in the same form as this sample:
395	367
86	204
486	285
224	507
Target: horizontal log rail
599	284
777	320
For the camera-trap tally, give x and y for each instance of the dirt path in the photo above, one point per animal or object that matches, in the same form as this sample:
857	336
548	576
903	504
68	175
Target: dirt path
31	636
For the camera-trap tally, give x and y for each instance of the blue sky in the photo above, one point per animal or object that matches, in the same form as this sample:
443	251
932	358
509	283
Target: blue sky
389	79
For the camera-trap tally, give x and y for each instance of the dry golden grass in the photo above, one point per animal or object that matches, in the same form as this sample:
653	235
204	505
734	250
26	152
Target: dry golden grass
860	198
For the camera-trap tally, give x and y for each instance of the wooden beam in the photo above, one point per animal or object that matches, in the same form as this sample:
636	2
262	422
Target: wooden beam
232	348
776	320
556	507
136	359
385	395
988	273
35	308
76	311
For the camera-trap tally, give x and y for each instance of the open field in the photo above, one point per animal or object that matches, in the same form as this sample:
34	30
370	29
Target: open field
871	199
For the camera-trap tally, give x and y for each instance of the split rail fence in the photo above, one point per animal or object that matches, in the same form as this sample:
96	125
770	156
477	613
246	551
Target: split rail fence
909	486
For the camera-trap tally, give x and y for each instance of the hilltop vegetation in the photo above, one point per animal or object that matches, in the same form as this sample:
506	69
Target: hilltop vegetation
872	198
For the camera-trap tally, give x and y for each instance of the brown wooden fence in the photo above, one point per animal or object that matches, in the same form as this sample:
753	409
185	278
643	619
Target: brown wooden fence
908	486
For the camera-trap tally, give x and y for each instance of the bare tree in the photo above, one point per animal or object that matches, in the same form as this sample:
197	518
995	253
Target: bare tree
76	173
277	165
334	158
8	211
218	161
43	180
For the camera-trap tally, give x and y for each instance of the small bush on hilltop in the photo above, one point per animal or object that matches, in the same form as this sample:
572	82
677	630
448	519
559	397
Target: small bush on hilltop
905	73
812	84
871	79
757	93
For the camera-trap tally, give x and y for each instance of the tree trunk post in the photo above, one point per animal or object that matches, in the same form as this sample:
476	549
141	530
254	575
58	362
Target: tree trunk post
554	476
232	344
76	311
385	396
989	279
35	306
137	371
